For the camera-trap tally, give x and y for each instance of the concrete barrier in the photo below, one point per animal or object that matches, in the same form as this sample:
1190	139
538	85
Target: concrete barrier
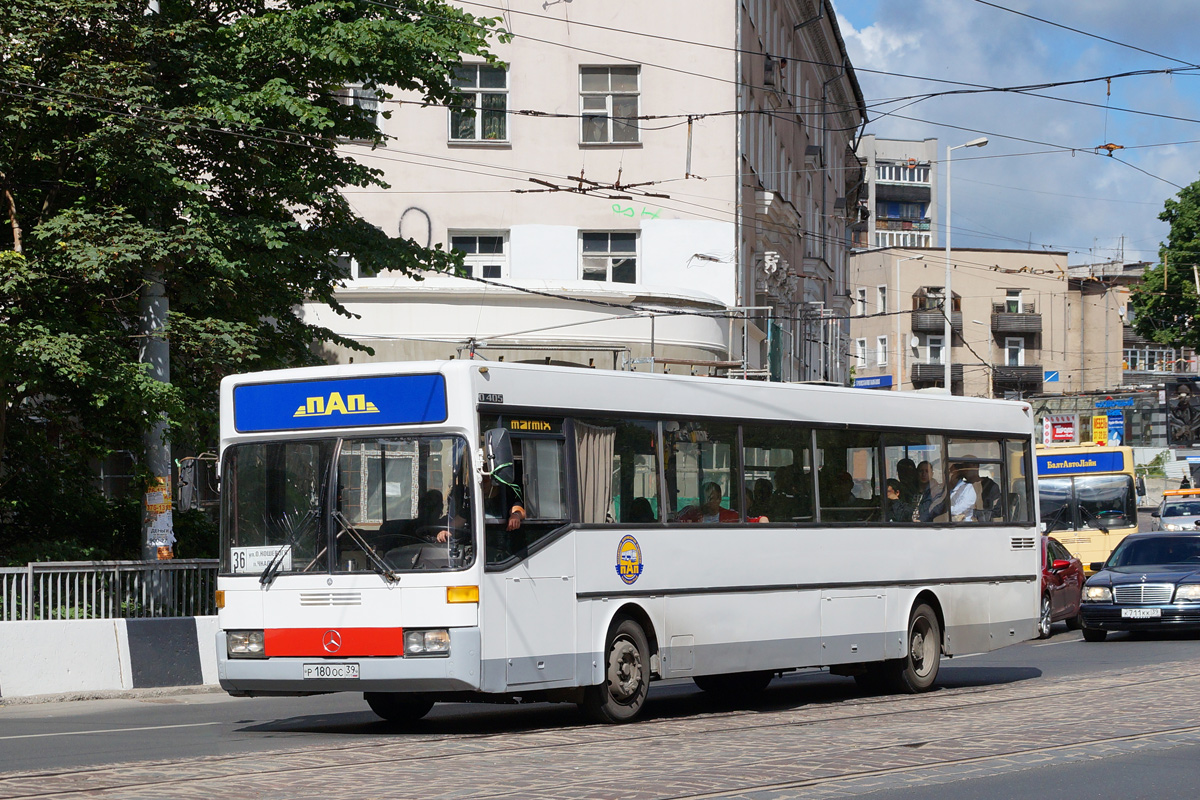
73	656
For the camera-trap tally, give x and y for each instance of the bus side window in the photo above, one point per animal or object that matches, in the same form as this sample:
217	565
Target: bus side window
848	476
701	455
778	465
617	465
1018	504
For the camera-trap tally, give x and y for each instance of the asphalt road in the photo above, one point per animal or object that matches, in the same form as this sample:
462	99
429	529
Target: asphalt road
1000	724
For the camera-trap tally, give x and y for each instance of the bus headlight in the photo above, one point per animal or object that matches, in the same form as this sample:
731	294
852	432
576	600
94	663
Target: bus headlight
1187	593
427	643
245	644
1097	594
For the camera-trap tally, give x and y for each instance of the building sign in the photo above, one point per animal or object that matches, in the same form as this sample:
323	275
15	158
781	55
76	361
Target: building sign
1050	376
874	382
1116	427
1059	428
1100	429
1125	402
1108	461
343	403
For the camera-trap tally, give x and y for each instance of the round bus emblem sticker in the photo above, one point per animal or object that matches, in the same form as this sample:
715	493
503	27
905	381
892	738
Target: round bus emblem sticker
629	559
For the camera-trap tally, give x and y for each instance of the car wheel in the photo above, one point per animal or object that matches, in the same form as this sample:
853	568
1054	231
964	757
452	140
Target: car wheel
626	676
1094	635
396	707
1043	631
918	669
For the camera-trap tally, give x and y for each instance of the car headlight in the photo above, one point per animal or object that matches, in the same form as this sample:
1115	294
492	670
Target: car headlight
1187	593
427	643
1097	594
1171	526
245	644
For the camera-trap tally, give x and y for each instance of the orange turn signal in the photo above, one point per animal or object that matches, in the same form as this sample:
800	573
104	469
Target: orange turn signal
219	595
462	594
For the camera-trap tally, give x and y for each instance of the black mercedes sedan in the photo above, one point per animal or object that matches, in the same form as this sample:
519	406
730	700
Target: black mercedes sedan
1151	581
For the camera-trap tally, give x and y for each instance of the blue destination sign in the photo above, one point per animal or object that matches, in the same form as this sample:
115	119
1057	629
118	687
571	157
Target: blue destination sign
874	382
1126	402
1080	463
344	403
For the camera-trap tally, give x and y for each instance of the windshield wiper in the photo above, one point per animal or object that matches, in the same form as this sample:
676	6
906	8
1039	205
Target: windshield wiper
1100	526
385	571
276	562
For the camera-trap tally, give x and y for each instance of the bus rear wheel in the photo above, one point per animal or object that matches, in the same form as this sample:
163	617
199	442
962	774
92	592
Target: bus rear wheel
917	671
626	676
396	707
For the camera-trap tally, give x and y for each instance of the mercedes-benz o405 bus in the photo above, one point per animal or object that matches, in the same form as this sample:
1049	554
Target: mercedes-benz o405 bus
466	530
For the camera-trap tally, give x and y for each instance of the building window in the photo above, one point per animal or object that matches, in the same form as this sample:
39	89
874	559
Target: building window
485	255
860	302
936	350
1012	301
361	97
881	305
482	111
860	353
881	350
608	104
1014	351
608	257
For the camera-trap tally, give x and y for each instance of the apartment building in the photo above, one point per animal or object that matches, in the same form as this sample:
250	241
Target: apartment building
900	204
1021	324
639	186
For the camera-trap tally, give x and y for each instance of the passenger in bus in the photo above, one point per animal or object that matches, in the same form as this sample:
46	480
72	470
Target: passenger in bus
760	498
710	509
640	510
962	495
929	496
897	509
906	473
790	501
991	507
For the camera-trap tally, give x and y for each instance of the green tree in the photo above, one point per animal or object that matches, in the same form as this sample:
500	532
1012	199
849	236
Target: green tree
1166	304
203	141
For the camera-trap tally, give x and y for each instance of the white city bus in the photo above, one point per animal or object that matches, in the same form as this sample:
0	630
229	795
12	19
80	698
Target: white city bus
459	530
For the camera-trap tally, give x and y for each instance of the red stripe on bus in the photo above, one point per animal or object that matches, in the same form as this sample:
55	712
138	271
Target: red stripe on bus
333	642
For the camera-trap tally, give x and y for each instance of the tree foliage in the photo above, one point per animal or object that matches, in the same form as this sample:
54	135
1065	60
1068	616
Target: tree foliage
203	141
1166	304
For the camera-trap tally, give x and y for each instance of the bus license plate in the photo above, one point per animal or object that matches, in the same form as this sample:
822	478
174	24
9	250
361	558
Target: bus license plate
1141	613
331	671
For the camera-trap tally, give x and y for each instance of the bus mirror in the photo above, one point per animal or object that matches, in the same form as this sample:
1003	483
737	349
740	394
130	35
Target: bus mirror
1141	486
499	454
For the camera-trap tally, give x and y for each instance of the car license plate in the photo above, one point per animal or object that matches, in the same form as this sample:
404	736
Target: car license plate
1141	613
331	671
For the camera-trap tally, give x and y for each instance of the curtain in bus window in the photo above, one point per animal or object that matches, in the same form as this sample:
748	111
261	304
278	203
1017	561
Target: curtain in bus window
701	471
544	474
778	467
848	476
594	447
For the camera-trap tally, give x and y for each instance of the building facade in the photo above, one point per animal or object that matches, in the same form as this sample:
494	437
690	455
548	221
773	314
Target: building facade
1022	326
664	185
901	201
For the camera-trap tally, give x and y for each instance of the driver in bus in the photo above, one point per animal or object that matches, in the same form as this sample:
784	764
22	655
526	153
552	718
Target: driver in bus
493	501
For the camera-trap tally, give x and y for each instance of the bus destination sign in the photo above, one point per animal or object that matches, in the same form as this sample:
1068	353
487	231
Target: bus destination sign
1102	461
342	403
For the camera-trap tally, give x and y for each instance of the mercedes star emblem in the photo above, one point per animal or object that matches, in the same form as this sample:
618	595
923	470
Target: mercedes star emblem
331	641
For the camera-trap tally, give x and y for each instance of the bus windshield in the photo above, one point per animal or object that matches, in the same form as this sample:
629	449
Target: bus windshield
1087	502
385	505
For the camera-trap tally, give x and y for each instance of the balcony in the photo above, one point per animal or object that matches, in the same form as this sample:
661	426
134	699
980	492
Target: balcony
1004	376
933	321
1027	320
935	373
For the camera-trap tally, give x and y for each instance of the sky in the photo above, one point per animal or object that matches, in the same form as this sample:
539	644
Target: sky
1041	183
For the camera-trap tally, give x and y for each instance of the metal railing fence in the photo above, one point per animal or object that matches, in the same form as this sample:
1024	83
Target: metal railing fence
108	589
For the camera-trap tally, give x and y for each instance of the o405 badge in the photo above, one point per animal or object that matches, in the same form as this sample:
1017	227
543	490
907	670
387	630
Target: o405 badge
629	559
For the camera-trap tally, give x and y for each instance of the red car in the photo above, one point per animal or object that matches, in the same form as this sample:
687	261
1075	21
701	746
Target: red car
1062	587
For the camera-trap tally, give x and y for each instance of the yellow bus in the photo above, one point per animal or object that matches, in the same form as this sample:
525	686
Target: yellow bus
1088	497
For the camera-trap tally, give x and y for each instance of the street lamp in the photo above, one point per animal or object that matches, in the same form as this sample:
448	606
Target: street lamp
896	302
948	295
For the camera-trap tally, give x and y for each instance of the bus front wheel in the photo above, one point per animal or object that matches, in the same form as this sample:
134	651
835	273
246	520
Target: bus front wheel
626	676
918	669
396	707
